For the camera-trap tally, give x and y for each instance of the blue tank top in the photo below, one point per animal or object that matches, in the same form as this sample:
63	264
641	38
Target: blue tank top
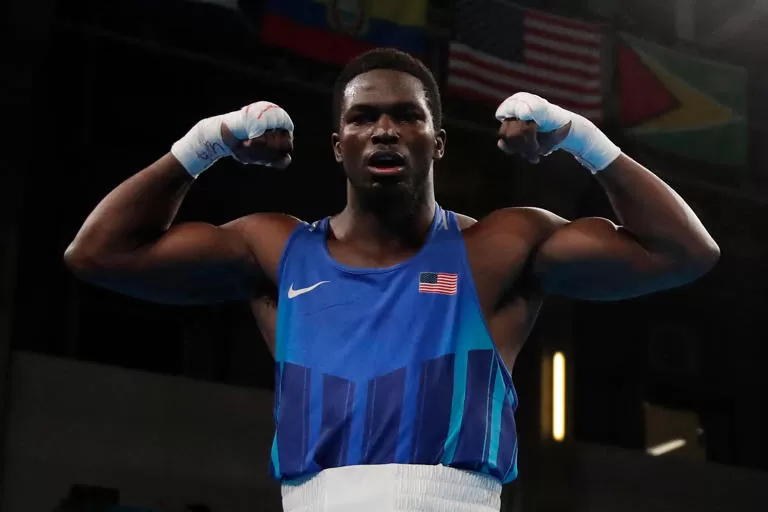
387	365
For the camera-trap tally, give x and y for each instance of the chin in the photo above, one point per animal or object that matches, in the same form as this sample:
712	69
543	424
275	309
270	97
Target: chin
391	191
398	187
399	195
394	181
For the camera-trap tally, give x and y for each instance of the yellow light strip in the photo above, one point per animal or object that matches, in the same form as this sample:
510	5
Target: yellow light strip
558	396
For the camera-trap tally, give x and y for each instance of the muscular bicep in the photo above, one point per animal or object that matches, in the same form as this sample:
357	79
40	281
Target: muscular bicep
191	263
593	258
197	263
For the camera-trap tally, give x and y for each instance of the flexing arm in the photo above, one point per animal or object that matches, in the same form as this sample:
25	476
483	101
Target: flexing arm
660	244
127	243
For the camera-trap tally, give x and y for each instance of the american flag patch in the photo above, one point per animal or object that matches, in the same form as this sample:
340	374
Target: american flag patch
438	282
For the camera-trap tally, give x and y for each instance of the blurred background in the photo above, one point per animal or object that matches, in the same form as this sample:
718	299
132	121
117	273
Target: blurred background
109	403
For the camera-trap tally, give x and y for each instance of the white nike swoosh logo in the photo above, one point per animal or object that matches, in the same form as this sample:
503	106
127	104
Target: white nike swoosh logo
295	293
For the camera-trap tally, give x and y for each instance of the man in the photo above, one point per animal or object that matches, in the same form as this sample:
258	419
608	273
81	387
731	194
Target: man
398	321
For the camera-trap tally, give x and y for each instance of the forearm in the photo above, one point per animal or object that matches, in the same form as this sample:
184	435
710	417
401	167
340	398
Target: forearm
654	213
135	213
139	211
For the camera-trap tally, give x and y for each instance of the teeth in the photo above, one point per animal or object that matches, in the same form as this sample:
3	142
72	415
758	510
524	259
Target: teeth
386	160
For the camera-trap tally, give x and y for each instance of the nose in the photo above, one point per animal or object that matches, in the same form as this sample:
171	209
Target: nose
385	131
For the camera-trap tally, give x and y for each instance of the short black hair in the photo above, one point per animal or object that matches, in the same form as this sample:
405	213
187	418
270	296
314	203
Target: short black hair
388	58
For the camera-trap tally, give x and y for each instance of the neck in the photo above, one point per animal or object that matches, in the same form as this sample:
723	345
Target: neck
386	223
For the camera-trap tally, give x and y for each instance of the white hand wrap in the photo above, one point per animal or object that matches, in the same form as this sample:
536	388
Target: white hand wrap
203	145
591	147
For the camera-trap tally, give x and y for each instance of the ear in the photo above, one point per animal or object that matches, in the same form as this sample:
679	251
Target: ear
439	145
336	142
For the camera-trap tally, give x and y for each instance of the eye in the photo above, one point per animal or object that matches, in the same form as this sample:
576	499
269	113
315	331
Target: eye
409	116
362	118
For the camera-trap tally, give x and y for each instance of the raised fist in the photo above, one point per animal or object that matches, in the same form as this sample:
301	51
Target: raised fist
531	126
260	133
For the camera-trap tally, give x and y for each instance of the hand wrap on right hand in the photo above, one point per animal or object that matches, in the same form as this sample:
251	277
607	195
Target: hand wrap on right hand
203	144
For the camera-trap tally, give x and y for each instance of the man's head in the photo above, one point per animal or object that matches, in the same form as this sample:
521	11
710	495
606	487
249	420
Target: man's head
388	58
386	107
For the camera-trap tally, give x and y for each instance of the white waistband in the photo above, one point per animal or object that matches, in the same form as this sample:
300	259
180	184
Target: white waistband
393	487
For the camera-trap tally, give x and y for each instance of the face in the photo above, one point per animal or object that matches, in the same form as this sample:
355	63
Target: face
386	139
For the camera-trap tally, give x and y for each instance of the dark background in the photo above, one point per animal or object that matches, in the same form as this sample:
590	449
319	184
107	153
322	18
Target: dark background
98	90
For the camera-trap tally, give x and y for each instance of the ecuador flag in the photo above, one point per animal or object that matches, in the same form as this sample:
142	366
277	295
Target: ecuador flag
335	31
681	104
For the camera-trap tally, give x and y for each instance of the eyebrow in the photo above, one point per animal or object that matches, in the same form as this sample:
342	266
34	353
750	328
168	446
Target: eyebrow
390	106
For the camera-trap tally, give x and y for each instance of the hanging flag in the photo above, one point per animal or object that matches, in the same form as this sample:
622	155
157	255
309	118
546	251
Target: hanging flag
335	31
684	105
501	48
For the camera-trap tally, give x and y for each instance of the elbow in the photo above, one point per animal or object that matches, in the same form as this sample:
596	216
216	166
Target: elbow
707	256
700	260
75	260
80	262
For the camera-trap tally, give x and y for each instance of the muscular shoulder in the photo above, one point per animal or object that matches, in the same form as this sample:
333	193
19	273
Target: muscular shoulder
258	224
266	235
465	221
526	223
507	237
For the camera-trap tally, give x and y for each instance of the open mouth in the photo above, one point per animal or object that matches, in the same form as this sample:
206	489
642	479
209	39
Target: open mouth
386	162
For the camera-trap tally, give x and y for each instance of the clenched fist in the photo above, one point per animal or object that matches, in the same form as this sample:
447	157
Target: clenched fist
260	133
533	127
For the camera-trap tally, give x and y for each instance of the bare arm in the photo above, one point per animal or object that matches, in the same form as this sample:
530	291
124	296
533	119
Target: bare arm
128	243
660	244
133	214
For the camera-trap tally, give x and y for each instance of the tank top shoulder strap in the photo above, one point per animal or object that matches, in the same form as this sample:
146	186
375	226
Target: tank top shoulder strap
306	237
446	225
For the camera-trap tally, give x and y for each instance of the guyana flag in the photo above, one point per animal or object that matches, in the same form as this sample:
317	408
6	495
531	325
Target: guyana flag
687	106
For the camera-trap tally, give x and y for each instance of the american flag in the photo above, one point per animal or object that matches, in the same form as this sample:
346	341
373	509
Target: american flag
501	48
438	282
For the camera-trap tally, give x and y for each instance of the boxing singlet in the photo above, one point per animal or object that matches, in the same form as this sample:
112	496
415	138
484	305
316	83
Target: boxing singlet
387	365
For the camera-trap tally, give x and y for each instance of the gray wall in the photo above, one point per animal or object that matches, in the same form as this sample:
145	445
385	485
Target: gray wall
593	478
162	441
165	442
